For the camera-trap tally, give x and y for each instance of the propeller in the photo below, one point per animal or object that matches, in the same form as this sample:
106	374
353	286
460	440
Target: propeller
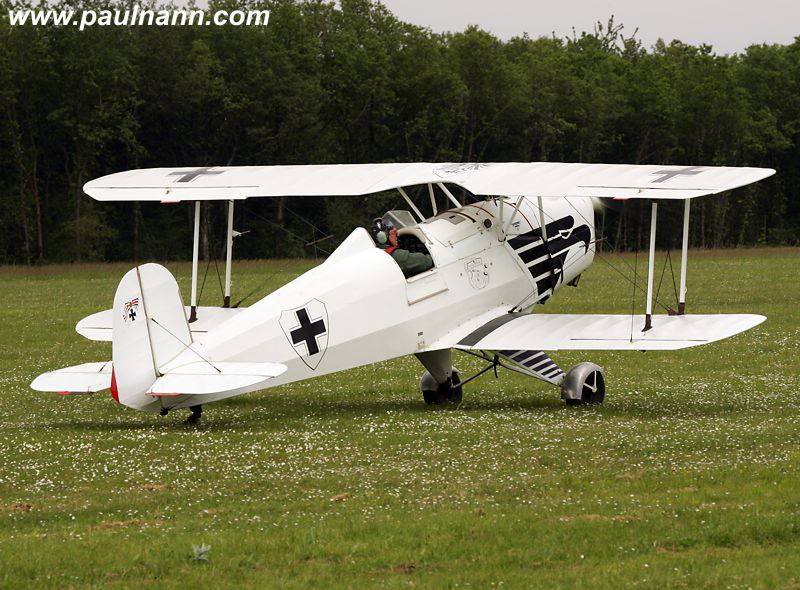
608	204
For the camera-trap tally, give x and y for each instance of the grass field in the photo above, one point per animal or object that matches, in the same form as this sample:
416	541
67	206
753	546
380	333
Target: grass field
687	477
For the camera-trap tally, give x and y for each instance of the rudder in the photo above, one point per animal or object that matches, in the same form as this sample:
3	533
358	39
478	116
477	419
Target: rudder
150	329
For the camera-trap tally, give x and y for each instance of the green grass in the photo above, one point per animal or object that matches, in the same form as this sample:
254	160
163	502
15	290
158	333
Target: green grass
686	477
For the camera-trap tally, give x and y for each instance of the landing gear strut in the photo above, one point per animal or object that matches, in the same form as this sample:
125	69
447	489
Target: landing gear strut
194	418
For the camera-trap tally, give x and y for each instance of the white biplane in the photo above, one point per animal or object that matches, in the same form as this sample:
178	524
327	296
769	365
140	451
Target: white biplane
493	261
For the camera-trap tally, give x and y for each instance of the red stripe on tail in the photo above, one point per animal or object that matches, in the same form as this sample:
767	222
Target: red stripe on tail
114	392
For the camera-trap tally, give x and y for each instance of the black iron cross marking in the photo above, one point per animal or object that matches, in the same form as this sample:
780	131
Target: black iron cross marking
308	331
670	174
190	175
132	313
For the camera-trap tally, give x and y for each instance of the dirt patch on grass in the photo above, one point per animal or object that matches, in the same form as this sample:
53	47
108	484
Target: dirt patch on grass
115	524
600	517
17	507
212	511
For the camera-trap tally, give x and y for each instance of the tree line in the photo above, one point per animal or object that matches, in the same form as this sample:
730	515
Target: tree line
349	83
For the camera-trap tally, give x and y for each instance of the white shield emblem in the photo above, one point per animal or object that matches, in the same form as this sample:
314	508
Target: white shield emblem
477	273
306	328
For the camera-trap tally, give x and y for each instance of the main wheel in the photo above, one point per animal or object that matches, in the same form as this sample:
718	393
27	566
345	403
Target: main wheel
584	384
441	393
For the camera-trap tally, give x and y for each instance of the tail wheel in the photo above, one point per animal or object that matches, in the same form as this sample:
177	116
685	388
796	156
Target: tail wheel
441	393
584	384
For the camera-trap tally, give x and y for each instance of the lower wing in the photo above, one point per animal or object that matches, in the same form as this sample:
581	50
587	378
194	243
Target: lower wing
517	331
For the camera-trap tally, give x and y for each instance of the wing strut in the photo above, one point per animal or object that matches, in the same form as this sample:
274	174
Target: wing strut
501	201
513	215
449	194
195	257
228	256
433	199
648	318
684	257
546	242
410	203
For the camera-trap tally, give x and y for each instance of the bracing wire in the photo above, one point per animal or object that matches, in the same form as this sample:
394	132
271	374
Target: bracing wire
615	269
634	282
280	227
203	284
205	275
187	346
633	293
668	258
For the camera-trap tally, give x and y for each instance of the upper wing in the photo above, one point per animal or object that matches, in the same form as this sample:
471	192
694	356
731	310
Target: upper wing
603	332
544	179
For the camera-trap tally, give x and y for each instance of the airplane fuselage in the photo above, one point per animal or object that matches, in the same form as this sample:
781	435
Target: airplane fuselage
357	308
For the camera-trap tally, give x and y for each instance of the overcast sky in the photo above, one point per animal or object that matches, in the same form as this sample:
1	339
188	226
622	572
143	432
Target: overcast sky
728	25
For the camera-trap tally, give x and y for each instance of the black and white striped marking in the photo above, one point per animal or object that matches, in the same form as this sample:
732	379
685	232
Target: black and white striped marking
545	261
535	362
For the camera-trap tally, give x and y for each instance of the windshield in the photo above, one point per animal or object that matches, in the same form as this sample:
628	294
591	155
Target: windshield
400	219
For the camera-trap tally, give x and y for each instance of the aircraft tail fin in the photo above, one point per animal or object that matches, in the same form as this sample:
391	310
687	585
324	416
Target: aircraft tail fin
150	329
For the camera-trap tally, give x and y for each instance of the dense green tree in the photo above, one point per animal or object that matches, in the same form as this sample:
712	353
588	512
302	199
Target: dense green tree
329	82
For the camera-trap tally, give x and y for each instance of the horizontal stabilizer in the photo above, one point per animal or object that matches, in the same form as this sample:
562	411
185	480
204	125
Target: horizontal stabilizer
604	332
85	378
204	378
97	326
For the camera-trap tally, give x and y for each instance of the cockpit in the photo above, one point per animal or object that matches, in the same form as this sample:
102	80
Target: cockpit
423	249
410	252
409	236
453	233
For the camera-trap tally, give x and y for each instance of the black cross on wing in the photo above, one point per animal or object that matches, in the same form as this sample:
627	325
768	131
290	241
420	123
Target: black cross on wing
190	175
